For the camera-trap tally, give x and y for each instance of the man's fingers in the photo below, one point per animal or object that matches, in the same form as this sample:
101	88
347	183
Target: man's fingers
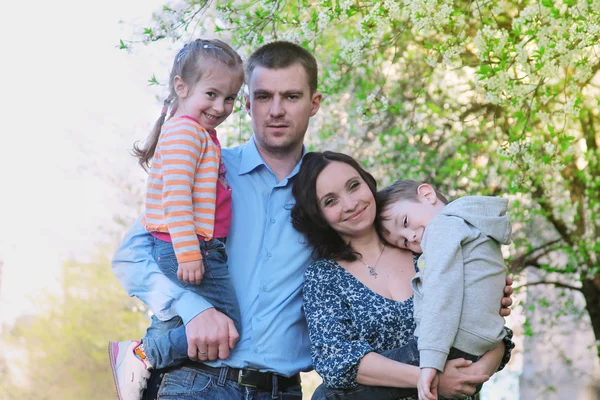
223	351
213	351
233	334
474	380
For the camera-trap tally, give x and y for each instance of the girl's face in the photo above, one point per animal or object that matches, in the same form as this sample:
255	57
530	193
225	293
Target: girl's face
210	101
345	200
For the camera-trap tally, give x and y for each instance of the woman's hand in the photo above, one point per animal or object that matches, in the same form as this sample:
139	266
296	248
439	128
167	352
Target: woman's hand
506	300
454	383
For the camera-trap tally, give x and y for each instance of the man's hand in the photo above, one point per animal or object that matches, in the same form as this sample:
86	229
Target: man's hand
191	272
454	383
506	300
210	335
428	381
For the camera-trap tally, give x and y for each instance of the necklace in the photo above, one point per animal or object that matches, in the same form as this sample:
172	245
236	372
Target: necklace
372	270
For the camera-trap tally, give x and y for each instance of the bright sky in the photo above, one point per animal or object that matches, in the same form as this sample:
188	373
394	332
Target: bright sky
72	106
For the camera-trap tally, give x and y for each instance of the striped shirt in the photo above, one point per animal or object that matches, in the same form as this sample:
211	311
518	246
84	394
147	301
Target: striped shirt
182	186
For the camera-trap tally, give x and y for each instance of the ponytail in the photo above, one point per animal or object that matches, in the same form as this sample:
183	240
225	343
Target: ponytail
145	151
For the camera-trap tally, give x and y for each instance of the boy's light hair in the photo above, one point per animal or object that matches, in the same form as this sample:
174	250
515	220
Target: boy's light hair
405	189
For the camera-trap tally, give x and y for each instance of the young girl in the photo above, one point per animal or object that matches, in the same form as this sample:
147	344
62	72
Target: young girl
188	202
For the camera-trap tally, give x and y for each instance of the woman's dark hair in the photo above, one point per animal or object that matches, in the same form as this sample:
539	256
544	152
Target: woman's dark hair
306	214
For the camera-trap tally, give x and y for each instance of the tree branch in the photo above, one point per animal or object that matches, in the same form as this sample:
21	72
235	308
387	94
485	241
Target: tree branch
556	284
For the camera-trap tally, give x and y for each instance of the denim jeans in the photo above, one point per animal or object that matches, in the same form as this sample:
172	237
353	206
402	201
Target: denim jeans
407	354
187	383
165	342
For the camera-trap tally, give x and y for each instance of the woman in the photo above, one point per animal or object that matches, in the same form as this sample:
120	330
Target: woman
357	296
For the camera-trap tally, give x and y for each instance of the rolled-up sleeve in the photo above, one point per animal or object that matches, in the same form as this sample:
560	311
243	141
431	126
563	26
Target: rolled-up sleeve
335	346
134	266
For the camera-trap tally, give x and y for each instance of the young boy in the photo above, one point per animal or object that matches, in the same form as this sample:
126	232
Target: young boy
461	271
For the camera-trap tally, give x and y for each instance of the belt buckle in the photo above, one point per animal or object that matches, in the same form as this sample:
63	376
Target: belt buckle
241	378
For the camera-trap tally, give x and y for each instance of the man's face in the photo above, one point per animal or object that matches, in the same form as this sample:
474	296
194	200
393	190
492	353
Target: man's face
280	105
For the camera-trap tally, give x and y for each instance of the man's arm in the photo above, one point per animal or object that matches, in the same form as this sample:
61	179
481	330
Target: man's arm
134	266
210	333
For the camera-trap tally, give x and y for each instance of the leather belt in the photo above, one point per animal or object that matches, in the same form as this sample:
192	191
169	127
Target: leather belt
251	378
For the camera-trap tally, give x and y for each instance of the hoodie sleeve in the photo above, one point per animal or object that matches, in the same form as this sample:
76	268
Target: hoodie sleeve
443	290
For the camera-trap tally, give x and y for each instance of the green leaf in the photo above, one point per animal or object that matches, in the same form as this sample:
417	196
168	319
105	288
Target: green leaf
122	45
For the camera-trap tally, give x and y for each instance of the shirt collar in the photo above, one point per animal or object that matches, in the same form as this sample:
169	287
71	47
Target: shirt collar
251	159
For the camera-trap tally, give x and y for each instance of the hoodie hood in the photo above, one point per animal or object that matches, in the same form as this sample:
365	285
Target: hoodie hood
488	214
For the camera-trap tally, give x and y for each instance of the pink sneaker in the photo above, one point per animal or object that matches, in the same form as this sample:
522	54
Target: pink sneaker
130	368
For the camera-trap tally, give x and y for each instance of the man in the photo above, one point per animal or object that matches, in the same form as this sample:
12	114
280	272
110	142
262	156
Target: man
267	257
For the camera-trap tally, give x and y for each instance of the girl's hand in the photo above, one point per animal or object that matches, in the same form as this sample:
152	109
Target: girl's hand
191	272
428	382
454	383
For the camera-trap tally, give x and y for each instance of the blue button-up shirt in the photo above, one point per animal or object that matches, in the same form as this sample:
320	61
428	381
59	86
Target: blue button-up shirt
267	260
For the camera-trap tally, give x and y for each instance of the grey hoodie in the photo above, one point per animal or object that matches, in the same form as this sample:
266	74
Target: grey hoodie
461	279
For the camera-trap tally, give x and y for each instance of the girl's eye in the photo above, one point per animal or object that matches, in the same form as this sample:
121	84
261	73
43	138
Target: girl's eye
230	99
210	94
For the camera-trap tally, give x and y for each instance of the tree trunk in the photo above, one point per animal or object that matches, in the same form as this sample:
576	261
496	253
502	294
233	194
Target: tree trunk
591	292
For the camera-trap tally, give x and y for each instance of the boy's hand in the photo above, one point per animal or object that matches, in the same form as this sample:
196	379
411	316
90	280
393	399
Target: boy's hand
506	300
191	272
428	382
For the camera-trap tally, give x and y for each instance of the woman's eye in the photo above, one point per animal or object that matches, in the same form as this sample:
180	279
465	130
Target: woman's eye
328	202
405	242
405	222
354	185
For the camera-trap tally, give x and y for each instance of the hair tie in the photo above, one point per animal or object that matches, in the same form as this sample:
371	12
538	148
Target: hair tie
182	53
165	107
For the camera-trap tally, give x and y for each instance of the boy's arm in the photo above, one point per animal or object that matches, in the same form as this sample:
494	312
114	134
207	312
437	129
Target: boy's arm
442	294
134	266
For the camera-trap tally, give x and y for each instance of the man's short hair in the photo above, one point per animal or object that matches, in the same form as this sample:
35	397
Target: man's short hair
282	54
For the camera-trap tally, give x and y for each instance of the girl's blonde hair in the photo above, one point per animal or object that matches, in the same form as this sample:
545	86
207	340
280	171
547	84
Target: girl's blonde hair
191	63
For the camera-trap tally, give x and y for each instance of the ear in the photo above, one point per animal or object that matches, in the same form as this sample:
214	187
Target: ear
180	87
247	101
427	193
316	103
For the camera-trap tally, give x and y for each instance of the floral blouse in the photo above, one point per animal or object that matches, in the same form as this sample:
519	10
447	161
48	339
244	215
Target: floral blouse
347	320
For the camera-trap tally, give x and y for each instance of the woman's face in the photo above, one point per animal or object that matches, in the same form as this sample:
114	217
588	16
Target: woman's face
345	200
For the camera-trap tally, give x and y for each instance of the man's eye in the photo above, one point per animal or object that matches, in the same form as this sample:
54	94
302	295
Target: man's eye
293	97
261	97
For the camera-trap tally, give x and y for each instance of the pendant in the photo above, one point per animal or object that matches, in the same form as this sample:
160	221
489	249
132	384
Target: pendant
372	271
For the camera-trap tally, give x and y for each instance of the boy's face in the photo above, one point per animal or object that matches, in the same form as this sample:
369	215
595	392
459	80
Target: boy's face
404	221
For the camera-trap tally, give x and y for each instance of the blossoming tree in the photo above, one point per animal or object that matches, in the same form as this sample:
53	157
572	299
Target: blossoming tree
490	97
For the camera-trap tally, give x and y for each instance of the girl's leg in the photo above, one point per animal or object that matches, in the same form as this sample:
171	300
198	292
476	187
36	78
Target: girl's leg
165	343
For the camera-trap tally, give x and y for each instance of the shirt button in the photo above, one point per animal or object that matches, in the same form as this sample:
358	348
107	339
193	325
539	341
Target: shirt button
269	254
272	220
265	288
256	349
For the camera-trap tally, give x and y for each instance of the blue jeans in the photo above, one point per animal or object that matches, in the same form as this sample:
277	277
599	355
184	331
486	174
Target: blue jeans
407	354
187	383
165	342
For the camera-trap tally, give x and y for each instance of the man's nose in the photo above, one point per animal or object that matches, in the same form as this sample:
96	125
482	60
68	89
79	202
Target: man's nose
276	109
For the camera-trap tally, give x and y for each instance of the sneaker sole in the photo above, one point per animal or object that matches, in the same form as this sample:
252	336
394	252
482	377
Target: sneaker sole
111	357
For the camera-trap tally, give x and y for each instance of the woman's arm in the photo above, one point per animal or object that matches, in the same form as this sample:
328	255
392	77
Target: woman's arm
377	370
